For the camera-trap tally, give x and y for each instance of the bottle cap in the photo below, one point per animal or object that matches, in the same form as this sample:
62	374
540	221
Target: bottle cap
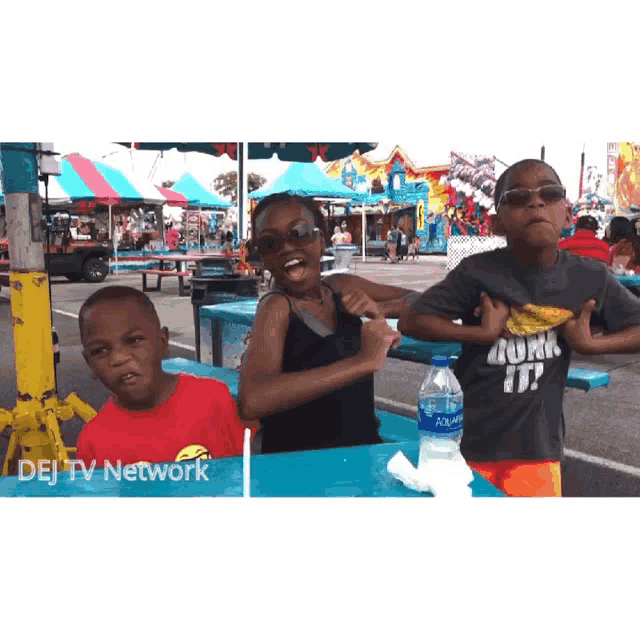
440	361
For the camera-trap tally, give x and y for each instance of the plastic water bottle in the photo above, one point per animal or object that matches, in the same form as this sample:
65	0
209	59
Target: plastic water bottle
440	417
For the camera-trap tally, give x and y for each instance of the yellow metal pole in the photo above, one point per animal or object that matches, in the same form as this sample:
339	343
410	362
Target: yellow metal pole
35	432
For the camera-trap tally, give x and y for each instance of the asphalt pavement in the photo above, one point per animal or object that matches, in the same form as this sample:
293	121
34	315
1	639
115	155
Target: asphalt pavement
602	443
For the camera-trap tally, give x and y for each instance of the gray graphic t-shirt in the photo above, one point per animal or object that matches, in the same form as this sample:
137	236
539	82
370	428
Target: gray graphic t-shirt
513	389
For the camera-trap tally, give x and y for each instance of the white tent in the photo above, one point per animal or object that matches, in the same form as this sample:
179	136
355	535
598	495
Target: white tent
148	191
57	195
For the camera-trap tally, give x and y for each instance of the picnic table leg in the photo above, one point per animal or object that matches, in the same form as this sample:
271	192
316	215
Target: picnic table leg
216	342
196	325
182	291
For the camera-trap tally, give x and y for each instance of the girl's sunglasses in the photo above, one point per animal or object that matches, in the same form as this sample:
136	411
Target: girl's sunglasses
300	236
549	194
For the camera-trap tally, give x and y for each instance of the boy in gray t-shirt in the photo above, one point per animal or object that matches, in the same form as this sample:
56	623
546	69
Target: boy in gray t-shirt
523	310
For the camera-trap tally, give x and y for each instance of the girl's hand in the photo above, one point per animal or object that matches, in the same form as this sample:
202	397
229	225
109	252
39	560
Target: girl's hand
577	331
494	314
377	338
358	303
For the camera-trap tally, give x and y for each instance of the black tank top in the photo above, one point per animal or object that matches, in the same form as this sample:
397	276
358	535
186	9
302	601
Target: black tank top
341	418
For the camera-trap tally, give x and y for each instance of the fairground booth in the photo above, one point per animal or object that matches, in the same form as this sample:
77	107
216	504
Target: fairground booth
432	203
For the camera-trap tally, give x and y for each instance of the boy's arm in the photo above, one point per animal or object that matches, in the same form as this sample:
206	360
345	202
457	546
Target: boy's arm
617	311
577	333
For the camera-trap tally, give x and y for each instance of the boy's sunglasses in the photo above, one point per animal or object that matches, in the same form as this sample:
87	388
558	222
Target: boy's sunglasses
549	194
299	236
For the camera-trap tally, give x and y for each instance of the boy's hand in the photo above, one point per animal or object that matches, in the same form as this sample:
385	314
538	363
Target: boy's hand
358	303
377	338
494	314
577	331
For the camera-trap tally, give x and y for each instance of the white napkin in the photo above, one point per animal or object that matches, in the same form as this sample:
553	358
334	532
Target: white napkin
443	478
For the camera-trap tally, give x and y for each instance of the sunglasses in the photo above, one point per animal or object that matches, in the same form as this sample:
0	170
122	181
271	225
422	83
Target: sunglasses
549	194
300	236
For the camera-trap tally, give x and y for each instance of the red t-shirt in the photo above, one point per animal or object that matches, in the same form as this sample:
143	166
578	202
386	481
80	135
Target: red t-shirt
585	243
198	420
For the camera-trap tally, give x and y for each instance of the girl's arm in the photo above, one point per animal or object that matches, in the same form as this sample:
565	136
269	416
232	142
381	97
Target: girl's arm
390	301
265	390
422	326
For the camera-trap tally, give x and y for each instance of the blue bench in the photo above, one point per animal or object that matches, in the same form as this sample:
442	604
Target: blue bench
393	427
587	379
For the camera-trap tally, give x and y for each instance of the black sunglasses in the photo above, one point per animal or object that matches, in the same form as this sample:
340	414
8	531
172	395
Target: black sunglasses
548	193
300	236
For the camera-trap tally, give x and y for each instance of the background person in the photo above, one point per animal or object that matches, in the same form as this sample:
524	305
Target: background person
584	241
404	247
414	248
398	242
346	236
227	245
392	242
622	238
336	238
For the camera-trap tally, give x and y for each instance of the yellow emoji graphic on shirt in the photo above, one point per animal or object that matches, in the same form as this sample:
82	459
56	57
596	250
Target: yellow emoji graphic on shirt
193	451
532	318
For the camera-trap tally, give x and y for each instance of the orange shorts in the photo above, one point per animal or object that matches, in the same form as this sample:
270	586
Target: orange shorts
540	478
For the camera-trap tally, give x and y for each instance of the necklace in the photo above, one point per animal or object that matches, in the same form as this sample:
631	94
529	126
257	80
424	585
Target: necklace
321	302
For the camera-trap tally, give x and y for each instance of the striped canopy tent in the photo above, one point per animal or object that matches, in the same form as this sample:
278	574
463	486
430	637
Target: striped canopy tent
286	151
55	195
89	184
172	210
101	184
174	199
197	195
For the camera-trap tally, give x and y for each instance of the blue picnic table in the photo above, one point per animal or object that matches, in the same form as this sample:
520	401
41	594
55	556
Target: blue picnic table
629	281
344	472
224	329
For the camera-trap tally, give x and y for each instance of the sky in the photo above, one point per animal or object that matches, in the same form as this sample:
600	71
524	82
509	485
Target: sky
564	156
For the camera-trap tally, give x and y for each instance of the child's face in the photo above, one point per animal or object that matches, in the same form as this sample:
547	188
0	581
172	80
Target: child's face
295	265
124	347
536	223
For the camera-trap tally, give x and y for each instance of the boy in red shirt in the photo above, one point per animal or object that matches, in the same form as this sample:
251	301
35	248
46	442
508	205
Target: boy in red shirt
584	241
153	416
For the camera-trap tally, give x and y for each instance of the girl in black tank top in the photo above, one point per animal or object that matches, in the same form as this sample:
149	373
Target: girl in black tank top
342	418
308	371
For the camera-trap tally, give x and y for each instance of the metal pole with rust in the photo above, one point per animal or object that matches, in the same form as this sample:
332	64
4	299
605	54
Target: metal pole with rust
35	433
